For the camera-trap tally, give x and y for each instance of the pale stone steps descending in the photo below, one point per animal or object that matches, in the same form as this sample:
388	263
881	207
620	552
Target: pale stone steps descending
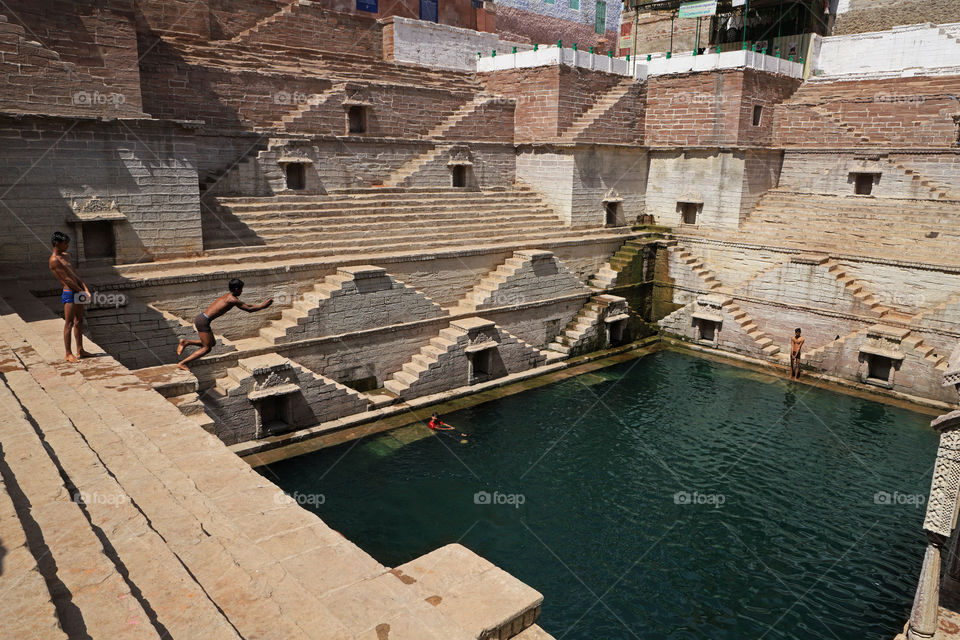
80	576
607	276
70	428
272	568
387	223
406	232
28	606
706	275
228	568
576	329
292	251
331	207
429	358
218	545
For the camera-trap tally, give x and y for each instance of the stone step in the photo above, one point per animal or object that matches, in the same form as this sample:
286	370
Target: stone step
30	612
465	230
380	221
264	254
440	202
69	424
73	556
226	562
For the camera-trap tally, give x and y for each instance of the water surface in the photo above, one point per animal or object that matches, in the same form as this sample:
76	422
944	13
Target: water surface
666	497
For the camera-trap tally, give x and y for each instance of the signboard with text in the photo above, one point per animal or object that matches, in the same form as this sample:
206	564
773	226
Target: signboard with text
698	9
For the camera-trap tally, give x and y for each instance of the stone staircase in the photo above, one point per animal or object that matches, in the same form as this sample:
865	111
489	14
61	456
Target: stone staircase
427	358
285	11
712	284
596	111
857	290
406	171
607	277
377	219
915	230
401	176
441	365
300	309
303	62
288	120
939	192
915	342
142	525
578	329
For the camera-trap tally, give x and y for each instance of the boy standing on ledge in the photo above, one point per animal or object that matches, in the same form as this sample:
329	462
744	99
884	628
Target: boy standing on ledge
796	345
202	322
63	271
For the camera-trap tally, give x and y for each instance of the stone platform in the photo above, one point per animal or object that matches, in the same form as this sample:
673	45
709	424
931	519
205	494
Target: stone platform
122	518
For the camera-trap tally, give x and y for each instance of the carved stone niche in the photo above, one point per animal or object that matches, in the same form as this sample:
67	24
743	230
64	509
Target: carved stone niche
707	319
482	350
272	383
881	355
94	224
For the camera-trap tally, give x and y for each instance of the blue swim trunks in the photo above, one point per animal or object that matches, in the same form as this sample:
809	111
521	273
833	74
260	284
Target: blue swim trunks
66	297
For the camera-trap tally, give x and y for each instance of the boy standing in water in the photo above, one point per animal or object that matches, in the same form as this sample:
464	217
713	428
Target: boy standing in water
202	322
796	345
68	277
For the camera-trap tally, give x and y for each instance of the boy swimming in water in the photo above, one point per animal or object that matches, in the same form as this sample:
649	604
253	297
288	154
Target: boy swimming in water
437	424
202	322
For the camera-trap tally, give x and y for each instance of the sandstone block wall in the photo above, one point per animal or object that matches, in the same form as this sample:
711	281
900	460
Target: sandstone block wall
712	178
830	173
315	27
576	182
145	168
97	39
713	109
364	298
527	276
318	399
913	112
549	100
859	16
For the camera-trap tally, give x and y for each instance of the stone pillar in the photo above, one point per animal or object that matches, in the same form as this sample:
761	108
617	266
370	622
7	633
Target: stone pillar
923	616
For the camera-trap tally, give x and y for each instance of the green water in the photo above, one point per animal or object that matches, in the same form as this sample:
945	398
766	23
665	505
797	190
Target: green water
667	497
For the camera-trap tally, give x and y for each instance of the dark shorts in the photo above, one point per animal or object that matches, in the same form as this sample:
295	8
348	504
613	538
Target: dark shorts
66	297
202	323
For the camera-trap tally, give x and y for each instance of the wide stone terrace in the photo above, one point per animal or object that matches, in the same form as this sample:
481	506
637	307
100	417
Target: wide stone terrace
121	518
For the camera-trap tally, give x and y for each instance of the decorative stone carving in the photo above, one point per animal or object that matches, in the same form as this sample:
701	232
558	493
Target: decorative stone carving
94	209
945	486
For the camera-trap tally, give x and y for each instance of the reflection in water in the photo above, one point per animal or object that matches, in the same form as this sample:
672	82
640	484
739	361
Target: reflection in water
703	501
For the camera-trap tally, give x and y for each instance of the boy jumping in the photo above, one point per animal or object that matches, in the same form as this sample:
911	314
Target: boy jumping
202	322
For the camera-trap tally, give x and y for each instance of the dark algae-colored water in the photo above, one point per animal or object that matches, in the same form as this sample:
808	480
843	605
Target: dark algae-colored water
666	497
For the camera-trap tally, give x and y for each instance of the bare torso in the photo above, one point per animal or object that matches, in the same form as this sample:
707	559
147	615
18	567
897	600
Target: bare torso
796	344
221	305
63	271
